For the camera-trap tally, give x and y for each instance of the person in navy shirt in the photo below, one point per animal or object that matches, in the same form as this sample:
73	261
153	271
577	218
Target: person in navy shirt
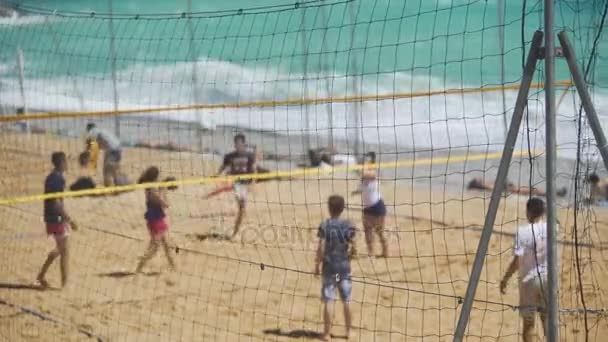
239	162
156	204
336	248
58	222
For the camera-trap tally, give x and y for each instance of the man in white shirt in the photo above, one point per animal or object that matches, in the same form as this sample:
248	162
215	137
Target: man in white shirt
112	152
530	258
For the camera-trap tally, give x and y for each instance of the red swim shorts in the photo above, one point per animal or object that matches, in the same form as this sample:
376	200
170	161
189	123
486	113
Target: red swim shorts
157	228
57	229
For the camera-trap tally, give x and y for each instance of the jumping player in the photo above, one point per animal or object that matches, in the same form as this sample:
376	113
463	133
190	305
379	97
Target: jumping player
57	220
374	210
239	162
156	204
335	249
530	258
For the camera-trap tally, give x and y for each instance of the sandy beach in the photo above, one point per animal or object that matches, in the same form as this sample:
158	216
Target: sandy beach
261	287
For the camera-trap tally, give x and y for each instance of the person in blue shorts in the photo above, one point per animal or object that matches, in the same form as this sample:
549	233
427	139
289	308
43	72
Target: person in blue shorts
336	248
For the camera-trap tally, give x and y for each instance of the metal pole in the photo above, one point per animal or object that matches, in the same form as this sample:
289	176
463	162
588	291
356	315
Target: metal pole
113	61
356	105
21	65
501	40
550	135
583	92
501	178
306	117
323	67
195	94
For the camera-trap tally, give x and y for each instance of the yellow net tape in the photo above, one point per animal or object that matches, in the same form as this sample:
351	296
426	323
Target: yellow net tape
277	174
274	103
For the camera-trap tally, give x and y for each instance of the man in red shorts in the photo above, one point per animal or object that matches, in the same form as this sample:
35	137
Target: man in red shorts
57	220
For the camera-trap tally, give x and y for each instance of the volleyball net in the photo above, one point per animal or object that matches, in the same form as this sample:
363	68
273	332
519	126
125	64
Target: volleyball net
315	86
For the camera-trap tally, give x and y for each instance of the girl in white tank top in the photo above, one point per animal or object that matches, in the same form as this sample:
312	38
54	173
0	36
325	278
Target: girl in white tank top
374	210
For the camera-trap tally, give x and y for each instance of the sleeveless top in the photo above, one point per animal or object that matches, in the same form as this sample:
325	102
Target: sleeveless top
153	210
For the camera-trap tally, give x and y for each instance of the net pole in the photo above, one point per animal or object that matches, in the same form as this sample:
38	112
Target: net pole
113	66
501	42
323	68
581	88
21	66
356	104
550	135
195	93
501	179
306	116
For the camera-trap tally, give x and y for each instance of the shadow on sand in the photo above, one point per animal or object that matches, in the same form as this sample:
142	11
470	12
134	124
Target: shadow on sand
299	333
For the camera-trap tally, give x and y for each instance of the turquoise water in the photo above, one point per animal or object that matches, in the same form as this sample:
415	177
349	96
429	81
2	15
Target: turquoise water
316	49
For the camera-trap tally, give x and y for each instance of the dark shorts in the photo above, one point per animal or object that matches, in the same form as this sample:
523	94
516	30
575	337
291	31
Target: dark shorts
114	156
376	210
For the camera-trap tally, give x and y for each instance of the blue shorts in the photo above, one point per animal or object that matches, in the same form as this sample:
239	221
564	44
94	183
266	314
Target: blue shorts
376	210
330	282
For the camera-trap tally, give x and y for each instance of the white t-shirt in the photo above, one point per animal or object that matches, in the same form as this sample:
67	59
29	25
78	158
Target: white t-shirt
370	192
530	246
344	160
105	138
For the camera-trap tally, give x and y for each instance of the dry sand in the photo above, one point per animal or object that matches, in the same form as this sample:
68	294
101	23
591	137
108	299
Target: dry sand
261	288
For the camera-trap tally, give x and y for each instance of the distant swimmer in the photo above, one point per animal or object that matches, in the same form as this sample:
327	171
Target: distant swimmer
112	153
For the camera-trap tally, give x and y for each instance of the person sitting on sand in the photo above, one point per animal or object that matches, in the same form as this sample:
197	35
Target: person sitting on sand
374	210
335	250
479	184
57	220
112	153
598	189
156	206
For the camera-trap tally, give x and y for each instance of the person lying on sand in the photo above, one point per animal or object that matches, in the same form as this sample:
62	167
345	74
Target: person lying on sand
479	184
323	157
598	189
169	146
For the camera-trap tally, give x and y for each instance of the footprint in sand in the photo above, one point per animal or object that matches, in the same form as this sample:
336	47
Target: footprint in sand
29	330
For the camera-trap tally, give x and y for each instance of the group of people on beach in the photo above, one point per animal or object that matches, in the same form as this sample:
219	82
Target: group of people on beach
336	236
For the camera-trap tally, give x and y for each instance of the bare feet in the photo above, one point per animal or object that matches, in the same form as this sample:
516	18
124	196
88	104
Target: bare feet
325	337
43	283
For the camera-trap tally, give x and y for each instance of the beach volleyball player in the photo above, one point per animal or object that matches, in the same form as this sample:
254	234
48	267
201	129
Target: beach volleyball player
239	162
57	220
374	210
156	218
112	153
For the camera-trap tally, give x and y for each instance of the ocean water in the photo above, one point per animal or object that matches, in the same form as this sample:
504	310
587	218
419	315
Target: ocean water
249	51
